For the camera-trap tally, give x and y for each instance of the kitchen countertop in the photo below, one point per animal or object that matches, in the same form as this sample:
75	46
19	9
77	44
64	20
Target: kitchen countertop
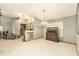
28	30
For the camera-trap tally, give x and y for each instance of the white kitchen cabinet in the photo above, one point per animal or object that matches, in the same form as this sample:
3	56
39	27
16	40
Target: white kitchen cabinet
28	35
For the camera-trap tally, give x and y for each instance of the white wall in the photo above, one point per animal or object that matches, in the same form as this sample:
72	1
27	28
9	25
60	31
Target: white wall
38	29
38	32
16	27
44	31
7	24
69	28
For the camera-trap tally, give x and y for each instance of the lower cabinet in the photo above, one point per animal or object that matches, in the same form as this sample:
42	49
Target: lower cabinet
52	36
28	35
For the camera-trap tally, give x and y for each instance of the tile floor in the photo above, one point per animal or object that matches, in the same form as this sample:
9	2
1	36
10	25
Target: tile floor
37	47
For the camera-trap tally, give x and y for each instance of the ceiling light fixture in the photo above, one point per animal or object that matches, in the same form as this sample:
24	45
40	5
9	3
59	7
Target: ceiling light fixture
44	22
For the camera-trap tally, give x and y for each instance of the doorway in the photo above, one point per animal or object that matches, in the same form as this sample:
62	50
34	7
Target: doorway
22	29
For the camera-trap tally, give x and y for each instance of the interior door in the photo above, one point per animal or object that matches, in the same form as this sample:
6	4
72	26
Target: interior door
22	29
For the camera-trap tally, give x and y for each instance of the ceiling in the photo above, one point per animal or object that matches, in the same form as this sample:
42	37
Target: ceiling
53	11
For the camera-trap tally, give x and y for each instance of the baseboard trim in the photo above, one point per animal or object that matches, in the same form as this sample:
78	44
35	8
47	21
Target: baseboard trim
68	42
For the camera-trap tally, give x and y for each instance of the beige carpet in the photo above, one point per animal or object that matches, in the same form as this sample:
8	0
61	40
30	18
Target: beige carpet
37	47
